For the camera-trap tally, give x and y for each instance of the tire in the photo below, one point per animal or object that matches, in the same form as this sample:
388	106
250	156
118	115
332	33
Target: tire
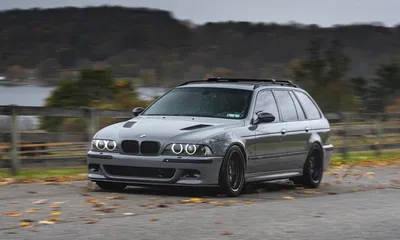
232	172
312	169
111	185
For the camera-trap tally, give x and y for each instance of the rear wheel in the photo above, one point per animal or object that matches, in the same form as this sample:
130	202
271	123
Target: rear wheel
111	185
312	170
231	176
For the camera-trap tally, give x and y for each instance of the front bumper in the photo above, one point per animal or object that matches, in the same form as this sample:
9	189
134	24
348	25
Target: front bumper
154	170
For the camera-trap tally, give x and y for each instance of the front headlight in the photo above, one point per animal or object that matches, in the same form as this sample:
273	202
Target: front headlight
104	145
184	149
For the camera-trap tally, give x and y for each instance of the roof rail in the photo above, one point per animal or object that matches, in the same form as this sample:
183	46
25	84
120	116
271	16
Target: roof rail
260	81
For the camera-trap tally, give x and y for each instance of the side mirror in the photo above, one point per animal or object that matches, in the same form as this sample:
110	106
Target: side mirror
137	111
264	117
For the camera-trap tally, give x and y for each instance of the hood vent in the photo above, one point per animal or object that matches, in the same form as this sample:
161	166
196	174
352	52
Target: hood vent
196	127
128	124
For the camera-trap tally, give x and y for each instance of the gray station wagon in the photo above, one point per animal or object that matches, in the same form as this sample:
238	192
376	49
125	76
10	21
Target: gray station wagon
219	132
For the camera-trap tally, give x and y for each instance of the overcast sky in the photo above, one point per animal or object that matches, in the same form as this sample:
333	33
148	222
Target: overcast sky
322	12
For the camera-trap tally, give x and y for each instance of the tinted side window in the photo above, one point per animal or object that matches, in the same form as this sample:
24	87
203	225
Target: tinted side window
266	103
299	109
286	105
308	105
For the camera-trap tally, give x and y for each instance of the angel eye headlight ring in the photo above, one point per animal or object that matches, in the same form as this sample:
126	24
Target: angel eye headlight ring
111	145
100	144
188	151
177	152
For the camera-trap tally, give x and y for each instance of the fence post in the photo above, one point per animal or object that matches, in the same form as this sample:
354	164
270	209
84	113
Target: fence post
343	119
93	123
15	162
379	119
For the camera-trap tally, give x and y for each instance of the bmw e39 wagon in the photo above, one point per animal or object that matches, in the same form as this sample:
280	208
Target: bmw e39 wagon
217	132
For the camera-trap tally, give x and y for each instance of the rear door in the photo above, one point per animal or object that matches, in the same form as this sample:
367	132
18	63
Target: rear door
270	145
297	130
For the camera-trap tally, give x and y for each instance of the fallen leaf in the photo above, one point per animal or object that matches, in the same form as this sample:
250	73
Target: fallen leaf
33	230
232	201
117	197
12	203
288	197
220	204
380	187
162	205
91	220
153	219
55	207
370	173
26	220
184	201
226	233
12	214
218	222
24	224
91	201
46	222
55	213
289	231
332	193
59	203
309	192
98	204
54	219
395	181
248	202
128	214
33	210
41	201
195	200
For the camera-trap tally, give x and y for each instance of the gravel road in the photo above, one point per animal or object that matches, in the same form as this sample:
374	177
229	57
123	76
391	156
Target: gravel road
352	203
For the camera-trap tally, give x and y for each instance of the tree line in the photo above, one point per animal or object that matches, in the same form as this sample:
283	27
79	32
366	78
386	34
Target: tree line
346	67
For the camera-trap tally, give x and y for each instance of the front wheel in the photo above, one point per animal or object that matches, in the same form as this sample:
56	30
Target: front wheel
111	185
312	170
232	173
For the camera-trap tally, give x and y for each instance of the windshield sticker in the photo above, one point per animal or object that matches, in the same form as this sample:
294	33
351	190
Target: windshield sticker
231	115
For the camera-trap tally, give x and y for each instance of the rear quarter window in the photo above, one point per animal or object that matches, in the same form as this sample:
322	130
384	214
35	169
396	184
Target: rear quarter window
309	107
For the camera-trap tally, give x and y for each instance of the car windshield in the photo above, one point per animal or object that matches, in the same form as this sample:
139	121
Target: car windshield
203	102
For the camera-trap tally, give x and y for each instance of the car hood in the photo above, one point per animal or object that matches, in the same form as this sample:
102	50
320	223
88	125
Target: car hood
167	129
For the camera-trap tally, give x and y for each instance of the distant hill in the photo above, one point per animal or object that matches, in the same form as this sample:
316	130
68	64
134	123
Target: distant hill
152	44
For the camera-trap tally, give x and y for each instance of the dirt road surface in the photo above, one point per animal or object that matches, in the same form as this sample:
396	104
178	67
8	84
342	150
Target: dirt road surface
351	203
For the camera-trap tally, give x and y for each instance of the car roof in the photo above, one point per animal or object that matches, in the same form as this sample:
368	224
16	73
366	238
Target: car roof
240	83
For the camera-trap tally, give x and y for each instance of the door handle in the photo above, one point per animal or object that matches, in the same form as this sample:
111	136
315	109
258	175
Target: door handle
307	129
283	131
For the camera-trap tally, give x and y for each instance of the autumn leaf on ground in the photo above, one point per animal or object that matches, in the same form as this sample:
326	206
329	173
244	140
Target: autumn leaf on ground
232	201
310	192
12	202
91	220
162	205
24	224
12	214
220	204
41	201
153	219
117	197
395	181
288	197
46	222
59	203
380	187
128	214
26	220
55	207
55	213
91	201
51	219
248	202
33	210
226	233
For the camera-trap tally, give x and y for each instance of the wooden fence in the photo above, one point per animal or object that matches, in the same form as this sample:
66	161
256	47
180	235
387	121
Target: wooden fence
350	132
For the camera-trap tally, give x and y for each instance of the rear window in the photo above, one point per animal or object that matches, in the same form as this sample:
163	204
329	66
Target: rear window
309	107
